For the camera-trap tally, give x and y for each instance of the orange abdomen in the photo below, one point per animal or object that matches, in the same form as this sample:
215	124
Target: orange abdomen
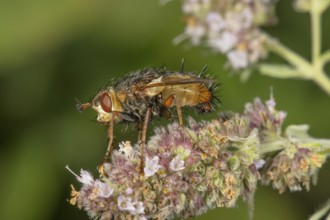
186	95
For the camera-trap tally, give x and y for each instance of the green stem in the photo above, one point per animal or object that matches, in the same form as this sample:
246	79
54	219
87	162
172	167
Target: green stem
323	5
279	71
316	32
304	68
322	80
321	212
271	147
325	57
301	64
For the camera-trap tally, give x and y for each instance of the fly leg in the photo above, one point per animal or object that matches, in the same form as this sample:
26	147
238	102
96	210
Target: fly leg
108	153
140	127
172	100
179	112
180	118
110	136
143	138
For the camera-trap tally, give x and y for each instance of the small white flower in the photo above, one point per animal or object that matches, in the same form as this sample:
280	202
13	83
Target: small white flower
152	166
85	177
190	7
259	163
281	116
196	33
138	208
126	148
247	18
224	43
233	21
142	218
215	22
194	6
125	203
104	189
257	50
271	104
176	164
238	59
129	191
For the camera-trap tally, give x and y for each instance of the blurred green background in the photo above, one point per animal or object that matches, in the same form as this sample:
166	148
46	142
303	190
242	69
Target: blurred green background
54	51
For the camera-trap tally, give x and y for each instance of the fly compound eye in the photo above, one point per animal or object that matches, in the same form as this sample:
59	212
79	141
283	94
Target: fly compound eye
105	102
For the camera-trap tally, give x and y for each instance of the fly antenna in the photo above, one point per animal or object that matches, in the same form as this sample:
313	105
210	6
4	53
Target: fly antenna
81	107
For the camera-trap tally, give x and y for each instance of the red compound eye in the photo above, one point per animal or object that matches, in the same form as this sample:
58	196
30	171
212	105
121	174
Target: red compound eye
105	102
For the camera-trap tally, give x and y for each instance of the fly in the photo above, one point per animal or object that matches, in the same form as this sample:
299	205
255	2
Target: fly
147	94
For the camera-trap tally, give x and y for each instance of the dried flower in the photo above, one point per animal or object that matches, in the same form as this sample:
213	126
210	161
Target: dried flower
292	167
292	172
205	165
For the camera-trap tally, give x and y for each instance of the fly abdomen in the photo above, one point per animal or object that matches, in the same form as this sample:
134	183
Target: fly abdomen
193	95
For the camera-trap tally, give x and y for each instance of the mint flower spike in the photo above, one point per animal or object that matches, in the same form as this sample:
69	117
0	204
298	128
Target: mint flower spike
208	164
233	28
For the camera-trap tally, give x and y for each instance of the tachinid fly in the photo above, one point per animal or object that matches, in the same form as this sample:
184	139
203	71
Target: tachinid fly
146	94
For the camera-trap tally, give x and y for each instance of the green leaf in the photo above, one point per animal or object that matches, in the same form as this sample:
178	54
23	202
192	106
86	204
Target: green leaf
279	71
297	131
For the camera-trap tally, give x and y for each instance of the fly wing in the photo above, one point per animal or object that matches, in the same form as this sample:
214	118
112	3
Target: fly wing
178	82
174	81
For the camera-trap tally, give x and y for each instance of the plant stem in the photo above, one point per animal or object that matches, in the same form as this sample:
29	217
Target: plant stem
316	32
321	212
322	80
301	64
271	147
325	57
304	68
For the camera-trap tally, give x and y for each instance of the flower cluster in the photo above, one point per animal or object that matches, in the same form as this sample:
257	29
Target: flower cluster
293	172
265	117
189	170
300	157
229	27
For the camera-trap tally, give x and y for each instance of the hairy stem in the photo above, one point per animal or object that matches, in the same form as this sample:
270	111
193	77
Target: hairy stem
271	147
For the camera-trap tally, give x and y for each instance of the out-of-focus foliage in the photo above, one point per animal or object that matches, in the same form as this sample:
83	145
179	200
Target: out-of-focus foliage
54	51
